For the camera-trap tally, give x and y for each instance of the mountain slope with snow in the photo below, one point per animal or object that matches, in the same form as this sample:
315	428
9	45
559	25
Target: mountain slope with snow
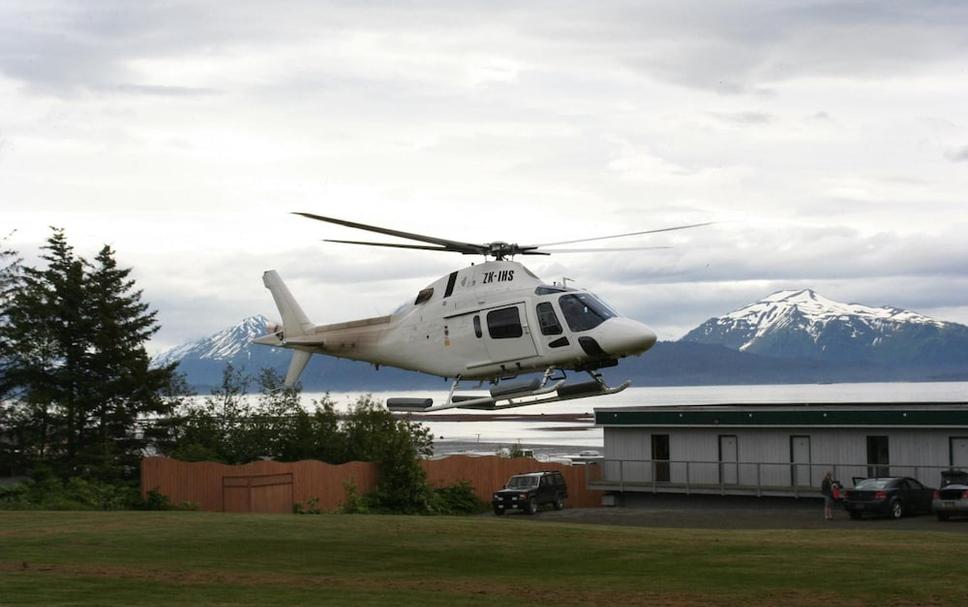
804	324
203	362
788	337
226	345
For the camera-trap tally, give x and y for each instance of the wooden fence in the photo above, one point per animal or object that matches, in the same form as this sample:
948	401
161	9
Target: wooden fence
270	486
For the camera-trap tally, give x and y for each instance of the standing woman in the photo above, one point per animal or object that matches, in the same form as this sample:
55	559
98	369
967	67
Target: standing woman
826	488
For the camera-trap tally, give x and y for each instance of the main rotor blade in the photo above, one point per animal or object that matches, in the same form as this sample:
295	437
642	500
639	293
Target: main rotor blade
450	245
603	249
394	245
694	225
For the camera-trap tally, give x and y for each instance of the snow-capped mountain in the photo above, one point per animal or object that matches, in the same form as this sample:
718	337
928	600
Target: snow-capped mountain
788	337
804	324
203	362
226	345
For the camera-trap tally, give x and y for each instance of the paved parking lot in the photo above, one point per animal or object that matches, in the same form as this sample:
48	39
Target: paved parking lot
719	512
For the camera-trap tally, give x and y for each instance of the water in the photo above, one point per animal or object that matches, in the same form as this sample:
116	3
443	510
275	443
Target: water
524	425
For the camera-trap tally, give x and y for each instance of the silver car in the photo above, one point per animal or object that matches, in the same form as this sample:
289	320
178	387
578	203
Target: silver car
950	500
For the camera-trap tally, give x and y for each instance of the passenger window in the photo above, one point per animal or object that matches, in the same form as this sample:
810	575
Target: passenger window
477	326
504	323
547	319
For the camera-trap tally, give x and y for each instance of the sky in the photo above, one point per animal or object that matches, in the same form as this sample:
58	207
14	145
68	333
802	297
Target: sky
828	141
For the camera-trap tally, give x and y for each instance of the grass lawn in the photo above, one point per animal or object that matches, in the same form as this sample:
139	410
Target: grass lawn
197	558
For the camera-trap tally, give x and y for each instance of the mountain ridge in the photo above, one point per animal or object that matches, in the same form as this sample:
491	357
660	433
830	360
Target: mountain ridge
786	337
805	324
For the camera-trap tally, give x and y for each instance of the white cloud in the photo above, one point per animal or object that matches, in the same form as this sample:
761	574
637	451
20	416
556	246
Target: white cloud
826	139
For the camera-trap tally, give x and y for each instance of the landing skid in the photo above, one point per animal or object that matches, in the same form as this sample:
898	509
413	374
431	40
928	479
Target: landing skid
507	396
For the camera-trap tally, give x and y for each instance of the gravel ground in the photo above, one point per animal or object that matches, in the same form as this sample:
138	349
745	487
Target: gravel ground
718	512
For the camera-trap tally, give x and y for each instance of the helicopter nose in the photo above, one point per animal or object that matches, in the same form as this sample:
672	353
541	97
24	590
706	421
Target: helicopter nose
623	336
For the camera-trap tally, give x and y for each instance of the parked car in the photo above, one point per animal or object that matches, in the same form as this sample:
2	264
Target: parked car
528	492
892	497
950	500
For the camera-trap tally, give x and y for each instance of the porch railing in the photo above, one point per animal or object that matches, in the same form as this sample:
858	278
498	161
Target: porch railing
759	478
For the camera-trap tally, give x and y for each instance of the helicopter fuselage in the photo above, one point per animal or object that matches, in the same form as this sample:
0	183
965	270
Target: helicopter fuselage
487	321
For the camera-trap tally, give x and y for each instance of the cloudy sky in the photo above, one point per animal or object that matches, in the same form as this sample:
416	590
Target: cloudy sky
828	140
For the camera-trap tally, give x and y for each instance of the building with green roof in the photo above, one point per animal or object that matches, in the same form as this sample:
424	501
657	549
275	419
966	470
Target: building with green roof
751	449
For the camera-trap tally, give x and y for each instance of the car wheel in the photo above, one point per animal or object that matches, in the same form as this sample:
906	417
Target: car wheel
498	511
855	515
943	516
532	506
560	503
897	509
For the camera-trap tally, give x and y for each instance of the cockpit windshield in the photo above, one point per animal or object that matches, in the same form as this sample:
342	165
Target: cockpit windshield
584	311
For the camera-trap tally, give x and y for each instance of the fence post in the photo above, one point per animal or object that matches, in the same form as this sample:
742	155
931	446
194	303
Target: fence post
621	475
687	478
758	492
653	477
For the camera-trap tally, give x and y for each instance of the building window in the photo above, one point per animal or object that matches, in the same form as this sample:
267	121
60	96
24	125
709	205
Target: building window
878	457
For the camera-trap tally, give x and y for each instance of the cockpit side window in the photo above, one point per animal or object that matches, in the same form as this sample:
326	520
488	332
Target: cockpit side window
583	312
547	319
424	295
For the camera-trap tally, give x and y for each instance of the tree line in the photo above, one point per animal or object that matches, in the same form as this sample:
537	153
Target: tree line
81	403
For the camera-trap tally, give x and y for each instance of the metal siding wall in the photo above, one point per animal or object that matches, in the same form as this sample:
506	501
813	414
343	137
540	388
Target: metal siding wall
829	447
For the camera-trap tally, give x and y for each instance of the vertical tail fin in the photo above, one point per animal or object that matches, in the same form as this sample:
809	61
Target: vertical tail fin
294	322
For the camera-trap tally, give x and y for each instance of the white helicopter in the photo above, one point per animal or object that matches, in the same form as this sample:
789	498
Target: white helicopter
488	322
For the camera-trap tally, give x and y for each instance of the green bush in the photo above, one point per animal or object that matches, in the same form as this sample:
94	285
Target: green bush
155	500
311	506
49	493
353	502
456	499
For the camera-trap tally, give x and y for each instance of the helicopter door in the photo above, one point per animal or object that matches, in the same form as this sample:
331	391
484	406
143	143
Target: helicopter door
507	334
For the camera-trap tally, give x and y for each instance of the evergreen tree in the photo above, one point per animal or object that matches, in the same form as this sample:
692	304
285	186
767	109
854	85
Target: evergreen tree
122	387
44	337
76	367
9	280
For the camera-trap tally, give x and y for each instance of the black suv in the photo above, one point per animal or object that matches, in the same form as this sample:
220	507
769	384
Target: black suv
527	492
